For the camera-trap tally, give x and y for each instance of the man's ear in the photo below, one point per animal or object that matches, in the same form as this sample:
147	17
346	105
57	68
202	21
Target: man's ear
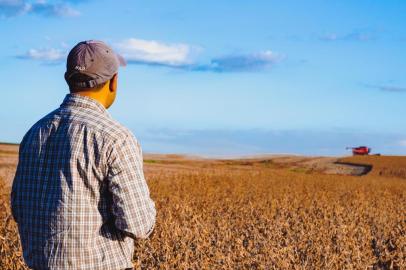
113	83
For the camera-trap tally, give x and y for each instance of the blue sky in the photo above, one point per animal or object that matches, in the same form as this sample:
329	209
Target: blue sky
221	77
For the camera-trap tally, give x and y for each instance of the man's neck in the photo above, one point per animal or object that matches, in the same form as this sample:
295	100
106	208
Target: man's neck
93	95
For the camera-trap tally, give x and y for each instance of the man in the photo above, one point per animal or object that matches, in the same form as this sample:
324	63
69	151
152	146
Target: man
79	195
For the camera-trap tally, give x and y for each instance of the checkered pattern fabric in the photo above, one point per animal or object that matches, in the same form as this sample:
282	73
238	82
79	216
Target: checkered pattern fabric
79	195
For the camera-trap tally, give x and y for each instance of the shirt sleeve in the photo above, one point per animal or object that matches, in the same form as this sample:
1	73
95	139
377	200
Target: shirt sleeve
132	207
15	200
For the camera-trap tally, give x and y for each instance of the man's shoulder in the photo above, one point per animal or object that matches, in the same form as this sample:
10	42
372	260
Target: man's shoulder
41	122
101	124
115	129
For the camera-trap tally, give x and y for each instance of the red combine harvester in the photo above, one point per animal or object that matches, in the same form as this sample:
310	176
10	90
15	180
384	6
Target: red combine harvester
360	151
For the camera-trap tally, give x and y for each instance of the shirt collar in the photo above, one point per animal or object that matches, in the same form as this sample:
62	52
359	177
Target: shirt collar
82	101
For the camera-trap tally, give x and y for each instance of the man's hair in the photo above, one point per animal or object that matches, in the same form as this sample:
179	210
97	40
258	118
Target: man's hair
79	77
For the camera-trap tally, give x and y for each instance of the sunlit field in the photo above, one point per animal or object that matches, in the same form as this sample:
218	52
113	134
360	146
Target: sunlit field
266	213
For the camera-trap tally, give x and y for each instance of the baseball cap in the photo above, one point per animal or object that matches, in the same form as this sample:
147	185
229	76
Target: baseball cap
91	63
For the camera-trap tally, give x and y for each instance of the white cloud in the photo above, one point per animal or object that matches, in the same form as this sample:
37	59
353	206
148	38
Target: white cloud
330	37
48	9
9	8
365	35
242	62
402	143
178	56
45	55
154	52
388	88
151	52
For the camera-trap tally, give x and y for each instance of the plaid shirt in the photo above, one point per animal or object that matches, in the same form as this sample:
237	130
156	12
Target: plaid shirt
79	195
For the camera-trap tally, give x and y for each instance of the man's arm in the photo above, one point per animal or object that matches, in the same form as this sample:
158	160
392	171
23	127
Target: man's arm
13	195
132	206
15	188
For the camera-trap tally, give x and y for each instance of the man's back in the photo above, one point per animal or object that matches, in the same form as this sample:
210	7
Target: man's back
79	190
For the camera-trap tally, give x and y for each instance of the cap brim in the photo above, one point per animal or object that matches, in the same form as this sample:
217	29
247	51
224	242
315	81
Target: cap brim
121	60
